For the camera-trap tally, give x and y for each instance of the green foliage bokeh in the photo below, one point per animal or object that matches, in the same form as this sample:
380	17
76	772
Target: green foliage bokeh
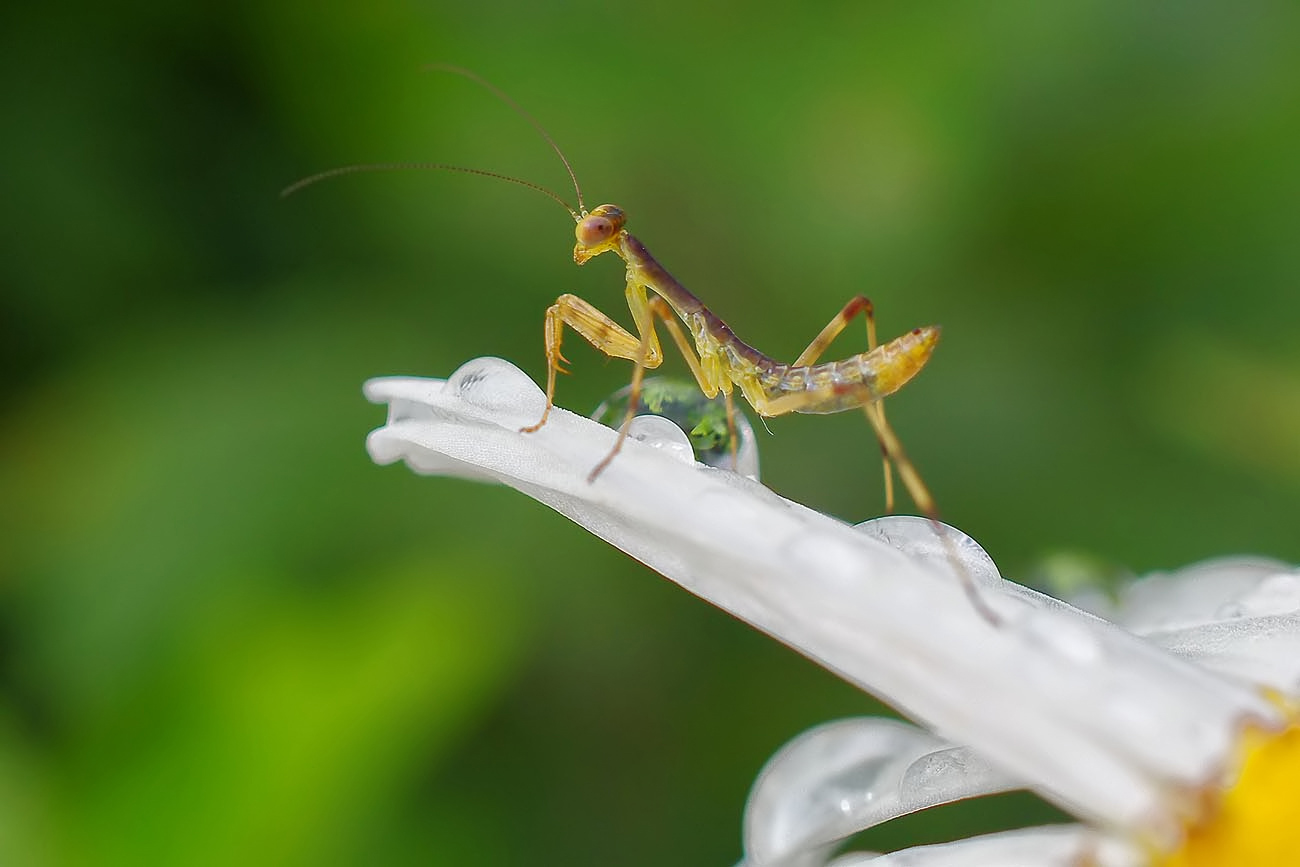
227	637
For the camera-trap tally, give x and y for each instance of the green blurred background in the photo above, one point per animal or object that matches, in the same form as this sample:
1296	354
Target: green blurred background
226	637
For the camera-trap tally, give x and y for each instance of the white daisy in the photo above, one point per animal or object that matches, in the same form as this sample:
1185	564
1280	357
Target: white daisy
1177	748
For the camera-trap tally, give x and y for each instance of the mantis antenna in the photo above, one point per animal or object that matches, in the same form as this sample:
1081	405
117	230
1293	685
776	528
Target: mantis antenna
500	94
398	167
519	110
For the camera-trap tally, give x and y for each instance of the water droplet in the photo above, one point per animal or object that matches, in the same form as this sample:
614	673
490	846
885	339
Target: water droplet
497	385
919	538
1276	594
704	421
660	433
946	774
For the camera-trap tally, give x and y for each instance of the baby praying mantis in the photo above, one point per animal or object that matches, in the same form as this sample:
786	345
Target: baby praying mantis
719	361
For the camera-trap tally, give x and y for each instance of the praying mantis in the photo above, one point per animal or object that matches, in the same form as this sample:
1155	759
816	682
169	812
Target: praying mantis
718	360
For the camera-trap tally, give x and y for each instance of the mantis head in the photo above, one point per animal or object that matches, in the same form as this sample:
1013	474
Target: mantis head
598	232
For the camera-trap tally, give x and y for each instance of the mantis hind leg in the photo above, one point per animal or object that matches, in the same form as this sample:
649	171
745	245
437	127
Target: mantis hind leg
920	494
859	304
893	449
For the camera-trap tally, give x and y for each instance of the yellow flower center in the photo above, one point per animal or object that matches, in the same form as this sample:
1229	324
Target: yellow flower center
1256	823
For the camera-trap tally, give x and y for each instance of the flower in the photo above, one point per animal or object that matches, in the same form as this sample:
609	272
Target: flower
1177	748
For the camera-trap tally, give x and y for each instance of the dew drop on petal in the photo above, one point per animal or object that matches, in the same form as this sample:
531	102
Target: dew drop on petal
497	385
919	537
947	774
1277	594
660	433
704	420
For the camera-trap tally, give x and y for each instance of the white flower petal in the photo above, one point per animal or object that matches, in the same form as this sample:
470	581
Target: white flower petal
1050	846
1212	592
1093	717
1236	616
843	777
1263	651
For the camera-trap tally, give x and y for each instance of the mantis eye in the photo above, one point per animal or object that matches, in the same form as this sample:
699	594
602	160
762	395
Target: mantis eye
594	230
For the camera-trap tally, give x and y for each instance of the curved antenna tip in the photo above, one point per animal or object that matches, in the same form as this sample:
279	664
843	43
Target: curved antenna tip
445	167
505	97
